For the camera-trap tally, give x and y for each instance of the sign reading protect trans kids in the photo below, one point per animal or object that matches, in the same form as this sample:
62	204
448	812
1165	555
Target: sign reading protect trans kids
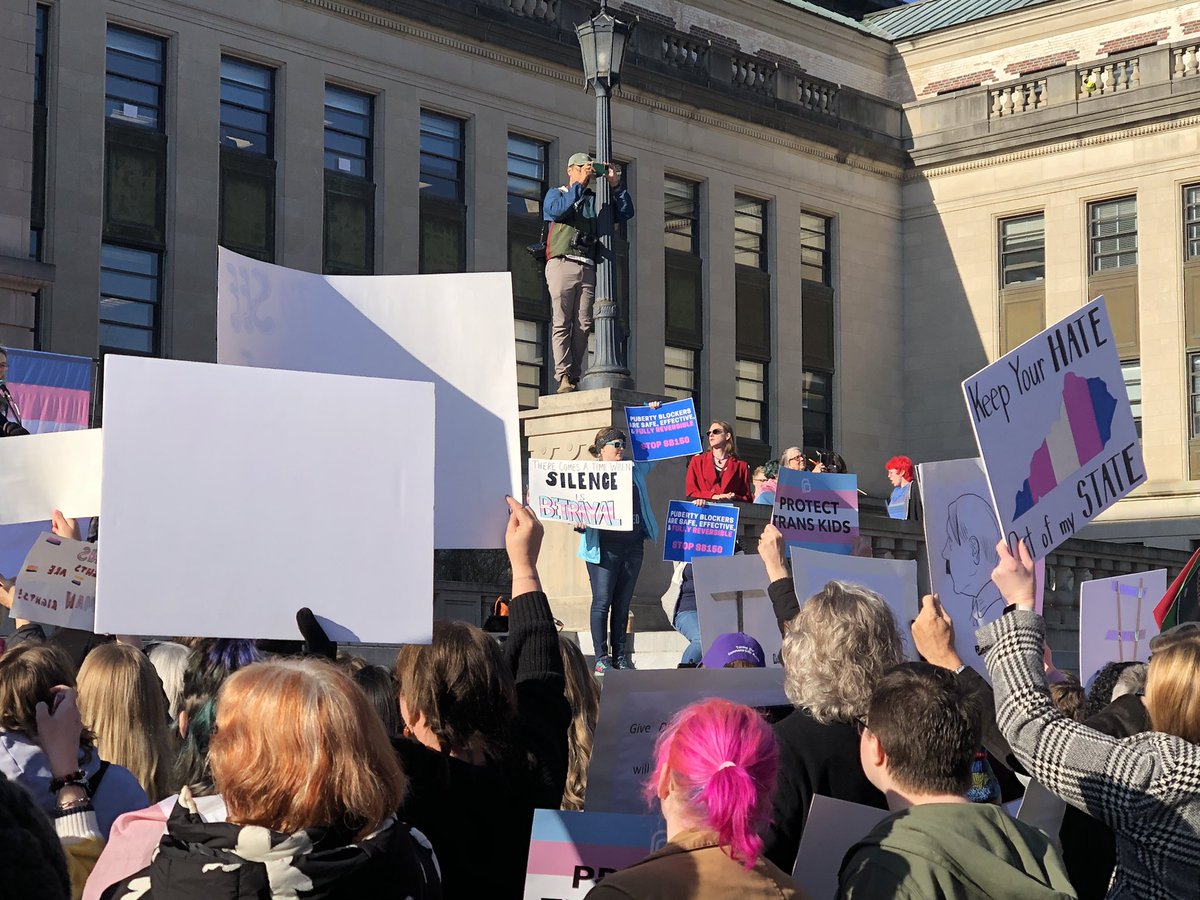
817	511
589	493
663	433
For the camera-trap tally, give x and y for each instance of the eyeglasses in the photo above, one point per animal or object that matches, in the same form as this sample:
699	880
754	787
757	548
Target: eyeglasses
718	431
620	445
860	724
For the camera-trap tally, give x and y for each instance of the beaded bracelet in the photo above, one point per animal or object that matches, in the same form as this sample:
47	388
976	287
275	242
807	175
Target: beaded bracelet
77	778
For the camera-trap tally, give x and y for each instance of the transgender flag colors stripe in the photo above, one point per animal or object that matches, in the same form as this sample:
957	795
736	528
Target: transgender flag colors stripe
1078	435
571	851
53	392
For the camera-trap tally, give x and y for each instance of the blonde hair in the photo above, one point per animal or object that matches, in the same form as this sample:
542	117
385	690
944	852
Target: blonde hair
121	699
297	745
1173	689
836	648
725	426
583	694
169	660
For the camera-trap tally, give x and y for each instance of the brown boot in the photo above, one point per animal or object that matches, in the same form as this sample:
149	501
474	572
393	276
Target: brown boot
565	386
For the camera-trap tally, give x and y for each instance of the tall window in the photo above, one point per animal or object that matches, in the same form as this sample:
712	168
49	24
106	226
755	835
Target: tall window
527	186
1022	250
247	106
134	78
1194	393
443	193
133	232
1131	371
1022	279
349	185
1191	221
1113	255
1114	240
248	168
817	309
818	409
814	248
684	288
130	295
37	205
752	287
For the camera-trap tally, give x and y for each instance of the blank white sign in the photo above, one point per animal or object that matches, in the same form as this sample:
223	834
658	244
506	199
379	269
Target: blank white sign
40	473
455	331
229	502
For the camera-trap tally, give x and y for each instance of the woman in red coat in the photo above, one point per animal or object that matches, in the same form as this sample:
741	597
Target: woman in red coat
719	474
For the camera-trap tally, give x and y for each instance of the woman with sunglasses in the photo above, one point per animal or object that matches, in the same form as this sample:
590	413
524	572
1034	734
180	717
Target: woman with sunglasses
718	474
614	558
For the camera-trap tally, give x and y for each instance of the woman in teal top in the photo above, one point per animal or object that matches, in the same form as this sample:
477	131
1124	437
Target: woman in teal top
614	558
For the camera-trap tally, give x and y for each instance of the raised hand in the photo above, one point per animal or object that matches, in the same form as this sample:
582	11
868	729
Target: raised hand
1014	575
933	634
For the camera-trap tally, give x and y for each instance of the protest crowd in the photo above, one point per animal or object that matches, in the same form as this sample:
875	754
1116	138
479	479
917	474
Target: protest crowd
225	768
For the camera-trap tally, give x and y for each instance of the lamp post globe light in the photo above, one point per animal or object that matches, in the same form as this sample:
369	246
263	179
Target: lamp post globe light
602	41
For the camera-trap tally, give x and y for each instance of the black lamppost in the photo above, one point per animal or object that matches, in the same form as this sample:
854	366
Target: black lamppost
602	41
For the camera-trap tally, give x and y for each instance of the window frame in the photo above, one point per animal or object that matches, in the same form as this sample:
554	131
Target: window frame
1191	219
825	250
827	415
1005	251
115	54
762	422
460	163
268	112
761	255
680	392
692	217
367	157
1094	239
155	328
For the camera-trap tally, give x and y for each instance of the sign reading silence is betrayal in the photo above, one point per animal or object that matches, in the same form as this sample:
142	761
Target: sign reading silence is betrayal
590	493
1055	430
57	583
666	432
817	511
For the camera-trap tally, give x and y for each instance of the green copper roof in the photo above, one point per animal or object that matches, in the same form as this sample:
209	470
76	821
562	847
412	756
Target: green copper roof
924	16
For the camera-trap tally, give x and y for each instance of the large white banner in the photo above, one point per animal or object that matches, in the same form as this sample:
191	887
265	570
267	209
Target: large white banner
582	492
636	706
731	595
455	331
1055	430
1116	619
40	473
895	580
223	524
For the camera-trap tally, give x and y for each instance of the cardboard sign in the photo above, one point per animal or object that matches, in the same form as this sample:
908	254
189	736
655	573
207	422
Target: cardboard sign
695	531
221	529
817	511
40	473
663	433
570	851
1116	619
832	828
57	583
636	705
895	580
731	595
1054	428
454	331
590	493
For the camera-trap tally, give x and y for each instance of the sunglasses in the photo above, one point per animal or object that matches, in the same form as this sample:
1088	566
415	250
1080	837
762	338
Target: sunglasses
718	431
620	445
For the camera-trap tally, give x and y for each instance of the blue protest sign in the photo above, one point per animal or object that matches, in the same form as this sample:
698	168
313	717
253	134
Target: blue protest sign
663	433
693	531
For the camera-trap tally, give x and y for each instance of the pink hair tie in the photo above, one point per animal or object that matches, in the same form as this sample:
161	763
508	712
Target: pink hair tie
726	765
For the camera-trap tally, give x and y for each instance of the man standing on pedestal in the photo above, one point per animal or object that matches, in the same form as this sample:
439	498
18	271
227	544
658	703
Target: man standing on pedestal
571	248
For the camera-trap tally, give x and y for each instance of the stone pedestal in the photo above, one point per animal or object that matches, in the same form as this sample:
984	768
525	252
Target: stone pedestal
563	427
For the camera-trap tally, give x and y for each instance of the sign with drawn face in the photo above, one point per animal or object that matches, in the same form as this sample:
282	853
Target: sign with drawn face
961	534
1055	430
1116	619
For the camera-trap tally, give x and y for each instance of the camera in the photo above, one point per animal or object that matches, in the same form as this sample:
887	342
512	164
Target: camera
584	242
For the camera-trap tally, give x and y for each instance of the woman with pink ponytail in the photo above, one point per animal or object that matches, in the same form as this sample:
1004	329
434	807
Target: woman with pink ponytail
714	772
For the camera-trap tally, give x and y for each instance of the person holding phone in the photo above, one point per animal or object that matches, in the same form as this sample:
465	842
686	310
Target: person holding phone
572	246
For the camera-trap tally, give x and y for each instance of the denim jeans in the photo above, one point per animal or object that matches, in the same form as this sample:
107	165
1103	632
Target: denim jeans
687	623
613	580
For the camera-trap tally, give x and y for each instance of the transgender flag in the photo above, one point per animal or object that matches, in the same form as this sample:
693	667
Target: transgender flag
53	392
1081	431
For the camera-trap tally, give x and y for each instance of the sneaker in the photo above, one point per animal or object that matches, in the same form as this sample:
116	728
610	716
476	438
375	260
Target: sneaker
623	662
603	664
565	385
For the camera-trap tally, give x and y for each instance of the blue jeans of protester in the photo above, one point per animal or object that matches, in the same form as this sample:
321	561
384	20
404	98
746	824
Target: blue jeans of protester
687	623
613	580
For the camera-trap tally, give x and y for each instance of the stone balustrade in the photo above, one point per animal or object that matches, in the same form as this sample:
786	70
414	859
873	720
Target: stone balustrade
1014	99
1104	78
1186	59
